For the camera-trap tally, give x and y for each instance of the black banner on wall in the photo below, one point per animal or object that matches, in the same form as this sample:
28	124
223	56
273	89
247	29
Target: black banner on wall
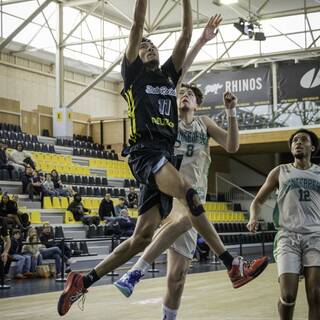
299	82
251	86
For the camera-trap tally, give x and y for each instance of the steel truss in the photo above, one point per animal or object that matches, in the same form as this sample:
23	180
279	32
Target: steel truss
155	27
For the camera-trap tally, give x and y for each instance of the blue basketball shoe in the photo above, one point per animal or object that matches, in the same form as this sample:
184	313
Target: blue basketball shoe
127	282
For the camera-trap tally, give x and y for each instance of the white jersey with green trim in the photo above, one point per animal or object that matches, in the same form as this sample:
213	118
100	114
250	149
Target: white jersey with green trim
193	144
299	199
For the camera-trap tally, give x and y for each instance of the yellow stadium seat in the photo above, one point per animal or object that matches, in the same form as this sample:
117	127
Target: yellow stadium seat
69	219
133	213
35	217
218	216
96	203
88	203
47	204
56	203
64	202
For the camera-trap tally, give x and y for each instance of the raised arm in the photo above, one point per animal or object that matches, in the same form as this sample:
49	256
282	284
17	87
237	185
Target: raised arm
181	47
269	185
136	31
228	139
209	32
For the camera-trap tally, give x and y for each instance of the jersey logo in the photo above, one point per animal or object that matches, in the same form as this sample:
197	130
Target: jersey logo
165	91
165	122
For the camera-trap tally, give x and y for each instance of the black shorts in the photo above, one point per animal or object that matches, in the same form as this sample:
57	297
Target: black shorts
142	160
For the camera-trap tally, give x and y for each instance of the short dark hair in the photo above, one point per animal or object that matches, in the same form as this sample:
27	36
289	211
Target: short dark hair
313	138
197	92
19	144
145	39
15	231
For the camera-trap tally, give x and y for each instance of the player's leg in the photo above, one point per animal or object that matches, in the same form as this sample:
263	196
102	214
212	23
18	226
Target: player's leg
311	263
171	182
77	284
141	238
312	277
177	270
288	294
288	254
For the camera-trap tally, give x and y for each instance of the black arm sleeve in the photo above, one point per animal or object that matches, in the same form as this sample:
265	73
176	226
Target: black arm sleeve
170	71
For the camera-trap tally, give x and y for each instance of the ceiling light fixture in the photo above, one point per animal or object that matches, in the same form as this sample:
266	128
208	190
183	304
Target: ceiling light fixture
227	2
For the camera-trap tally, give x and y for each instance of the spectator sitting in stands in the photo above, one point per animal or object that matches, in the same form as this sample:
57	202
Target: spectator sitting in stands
121	205
79	212
48	186
58	186
31	182
5	244
9	211
106	208
32	249
54	249
21	157
26	179
132	198
4	159
126	223
23	262
23	217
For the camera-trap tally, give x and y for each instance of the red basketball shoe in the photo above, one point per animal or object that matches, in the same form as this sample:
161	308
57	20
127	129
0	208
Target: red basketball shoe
243	271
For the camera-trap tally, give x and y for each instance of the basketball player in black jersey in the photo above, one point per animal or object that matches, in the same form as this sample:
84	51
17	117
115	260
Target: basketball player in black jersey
150	92
152	108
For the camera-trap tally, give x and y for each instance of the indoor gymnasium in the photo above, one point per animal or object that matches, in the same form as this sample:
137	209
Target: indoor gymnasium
159	159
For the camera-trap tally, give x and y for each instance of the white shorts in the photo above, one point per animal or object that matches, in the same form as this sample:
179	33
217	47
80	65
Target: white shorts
186	244
293	251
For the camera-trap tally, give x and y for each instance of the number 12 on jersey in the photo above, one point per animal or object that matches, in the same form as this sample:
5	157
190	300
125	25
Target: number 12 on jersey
304	195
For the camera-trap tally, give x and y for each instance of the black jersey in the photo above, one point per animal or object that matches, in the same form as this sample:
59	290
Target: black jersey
152	102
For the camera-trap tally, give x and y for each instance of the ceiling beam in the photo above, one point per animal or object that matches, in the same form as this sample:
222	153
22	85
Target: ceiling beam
5	3
6	41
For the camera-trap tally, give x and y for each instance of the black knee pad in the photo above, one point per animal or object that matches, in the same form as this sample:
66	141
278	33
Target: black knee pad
194	202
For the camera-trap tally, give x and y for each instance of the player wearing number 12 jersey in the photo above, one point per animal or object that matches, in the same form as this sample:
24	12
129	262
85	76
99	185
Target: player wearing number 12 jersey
297	243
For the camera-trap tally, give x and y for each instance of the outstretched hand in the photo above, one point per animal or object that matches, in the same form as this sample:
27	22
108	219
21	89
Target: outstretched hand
211	29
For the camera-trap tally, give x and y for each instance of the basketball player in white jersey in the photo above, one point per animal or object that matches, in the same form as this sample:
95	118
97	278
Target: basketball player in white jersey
297	244
194	133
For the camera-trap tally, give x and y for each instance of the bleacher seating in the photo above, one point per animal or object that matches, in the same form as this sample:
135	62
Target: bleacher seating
116	169
220	211
62	163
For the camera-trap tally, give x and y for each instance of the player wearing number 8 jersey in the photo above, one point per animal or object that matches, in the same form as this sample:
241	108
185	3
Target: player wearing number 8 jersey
192	143
297	243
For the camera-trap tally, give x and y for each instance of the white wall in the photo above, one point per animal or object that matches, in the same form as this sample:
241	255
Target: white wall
33	89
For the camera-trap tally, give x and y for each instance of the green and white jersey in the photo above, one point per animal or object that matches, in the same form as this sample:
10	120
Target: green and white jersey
299	199
193	144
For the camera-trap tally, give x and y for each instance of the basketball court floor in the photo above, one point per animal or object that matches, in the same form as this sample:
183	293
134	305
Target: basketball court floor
207	296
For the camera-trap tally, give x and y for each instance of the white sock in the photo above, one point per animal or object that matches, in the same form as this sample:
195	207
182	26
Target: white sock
141	265
169	314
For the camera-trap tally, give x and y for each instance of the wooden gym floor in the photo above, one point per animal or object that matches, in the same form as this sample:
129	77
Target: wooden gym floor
207	296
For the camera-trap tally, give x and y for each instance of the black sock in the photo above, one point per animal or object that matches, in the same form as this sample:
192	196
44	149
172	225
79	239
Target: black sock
90	278
227	259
